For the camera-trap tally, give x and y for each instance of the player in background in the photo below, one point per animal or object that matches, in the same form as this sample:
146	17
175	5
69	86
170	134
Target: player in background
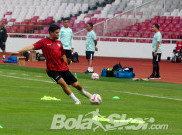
56	62
91	47
156	51
66	36
3	38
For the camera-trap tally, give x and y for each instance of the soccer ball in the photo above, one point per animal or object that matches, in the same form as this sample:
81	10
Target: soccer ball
95	76
95	99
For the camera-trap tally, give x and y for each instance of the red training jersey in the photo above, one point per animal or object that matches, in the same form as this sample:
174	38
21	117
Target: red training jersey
53	52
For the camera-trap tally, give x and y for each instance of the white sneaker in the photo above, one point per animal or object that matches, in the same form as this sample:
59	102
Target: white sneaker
77	102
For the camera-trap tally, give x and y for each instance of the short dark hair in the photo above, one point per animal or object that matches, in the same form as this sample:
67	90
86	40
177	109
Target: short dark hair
156	25
53	27
66	19
91	24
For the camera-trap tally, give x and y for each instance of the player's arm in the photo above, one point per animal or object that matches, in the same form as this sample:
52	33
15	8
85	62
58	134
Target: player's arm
27	48
94	37
95	41
156	49
65	59
157	46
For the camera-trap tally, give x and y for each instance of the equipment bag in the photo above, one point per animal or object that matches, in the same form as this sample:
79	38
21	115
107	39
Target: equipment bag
107	72
126	72
115	68
75	57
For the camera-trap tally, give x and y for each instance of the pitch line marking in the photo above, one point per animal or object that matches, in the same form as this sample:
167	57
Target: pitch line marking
132	93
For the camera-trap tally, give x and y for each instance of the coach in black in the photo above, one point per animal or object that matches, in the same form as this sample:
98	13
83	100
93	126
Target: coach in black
3	38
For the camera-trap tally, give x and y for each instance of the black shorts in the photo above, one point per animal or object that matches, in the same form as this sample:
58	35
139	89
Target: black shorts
156	58
89	55
2	46
68	54
66	75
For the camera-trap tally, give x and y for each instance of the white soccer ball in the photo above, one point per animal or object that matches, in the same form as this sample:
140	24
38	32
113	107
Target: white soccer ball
95	76
95	99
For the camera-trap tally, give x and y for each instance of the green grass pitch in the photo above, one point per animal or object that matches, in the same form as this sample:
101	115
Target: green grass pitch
23	113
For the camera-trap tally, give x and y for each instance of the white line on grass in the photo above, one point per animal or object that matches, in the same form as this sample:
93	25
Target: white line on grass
12	73
132	93
27	87
38	76
27	79
24	74
149	95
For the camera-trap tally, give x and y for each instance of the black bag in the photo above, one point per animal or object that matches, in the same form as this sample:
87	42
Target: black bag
75	57
40	57
26	55
115	68
109	72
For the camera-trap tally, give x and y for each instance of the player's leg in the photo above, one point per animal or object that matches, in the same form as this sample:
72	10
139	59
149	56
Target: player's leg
67	90
2	47
56	76
4	54
89	57
79	87
152	76
69	61
69	56
157	76
71	80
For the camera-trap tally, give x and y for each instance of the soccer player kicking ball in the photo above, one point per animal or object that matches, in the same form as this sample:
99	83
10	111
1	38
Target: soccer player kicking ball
56	62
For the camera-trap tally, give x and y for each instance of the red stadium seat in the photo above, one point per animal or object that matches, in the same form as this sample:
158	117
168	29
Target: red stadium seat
118	12
97	12
171	25
154	21
178	26
161	29
108	34
170	18
150	25
24	23
146	35
163	18
82	25
122	34
9	13
177	18
175	21
134	28
128	28
8	28
180	22
147	21
115	34
160	22
168	21
12	20
167	29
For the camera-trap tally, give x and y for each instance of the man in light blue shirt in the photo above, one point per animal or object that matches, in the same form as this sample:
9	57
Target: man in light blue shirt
156	51
66	36
91	43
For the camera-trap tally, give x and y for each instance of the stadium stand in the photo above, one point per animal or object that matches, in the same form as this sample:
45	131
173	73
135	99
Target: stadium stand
34	16
43	12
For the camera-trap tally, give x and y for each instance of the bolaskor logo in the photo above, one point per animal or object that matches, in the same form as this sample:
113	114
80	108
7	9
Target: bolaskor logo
112	122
